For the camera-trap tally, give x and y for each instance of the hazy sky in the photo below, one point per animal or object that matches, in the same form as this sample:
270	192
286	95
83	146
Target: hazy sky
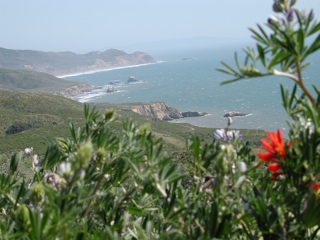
87	25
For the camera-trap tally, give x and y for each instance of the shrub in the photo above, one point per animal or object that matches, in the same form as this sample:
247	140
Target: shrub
102	184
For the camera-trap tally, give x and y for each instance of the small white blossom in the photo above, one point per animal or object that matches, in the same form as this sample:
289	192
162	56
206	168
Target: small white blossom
64	169
242	167
28	150
35	159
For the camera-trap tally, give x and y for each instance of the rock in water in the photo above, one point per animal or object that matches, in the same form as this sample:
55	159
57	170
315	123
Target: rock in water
110	89
132	79
234	114
193	114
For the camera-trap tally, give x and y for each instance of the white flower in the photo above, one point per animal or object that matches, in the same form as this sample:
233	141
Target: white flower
64	169
243	167
233	168
229	135
35	159
28	150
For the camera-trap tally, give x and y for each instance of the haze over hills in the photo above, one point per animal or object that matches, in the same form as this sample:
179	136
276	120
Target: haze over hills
166	48
64	63
30	81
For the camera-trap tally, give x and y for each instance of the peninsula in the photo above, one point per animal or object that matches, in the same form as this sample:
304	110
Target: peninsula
68	63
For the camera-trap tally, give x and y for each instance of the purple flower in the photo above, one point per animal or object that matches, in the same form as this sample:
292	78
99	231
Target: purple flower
35	159
220	134
290	15
273	20
277	7
27	150
304	16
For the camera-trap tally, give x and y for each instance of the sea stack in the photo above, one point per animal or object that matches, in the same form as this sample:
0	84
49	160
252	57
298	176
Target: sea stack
234	114
132	79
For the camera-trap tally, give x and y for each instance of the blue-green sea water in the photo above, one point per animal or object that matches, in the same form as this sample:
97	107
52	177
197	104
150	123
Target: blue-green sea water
194	85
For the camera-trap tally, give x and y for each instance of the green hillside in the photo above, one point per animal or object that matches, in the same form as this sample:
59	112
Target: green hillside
38	118
30	81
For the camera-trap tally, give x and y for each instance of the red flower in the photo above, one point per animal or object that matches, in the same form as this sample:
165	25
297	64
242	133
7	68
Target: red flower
274	147
315	187
274	168
276	153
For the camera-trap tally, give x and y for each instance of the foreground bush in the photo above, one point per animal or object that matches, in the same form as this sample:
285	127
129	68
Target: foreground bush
120	185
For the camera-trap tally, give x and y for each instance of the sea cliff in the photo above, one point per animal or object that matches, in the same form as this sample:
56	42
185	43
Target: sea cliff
162	111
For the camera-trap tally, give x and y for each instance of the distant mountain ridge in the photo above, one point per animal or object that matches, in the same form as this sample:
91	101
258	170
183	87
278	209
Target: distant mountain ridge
64	63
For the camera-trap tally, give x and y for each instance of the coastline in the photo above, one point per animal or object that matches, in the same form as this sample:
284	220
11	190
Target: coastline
105	70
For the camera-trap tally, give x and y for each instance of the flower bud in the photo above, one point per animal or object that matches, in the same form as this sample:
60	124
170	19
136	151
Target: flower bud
38	193
290	15
230	121
22	218
84	155
100	155
277	7
81	174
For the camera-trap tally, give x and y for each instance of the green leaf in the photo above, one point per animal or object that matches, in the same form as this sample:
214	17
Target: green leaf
313	29
261	54
135	210
226	71
14	162
315	46
231	69
262	39
230	81
301	40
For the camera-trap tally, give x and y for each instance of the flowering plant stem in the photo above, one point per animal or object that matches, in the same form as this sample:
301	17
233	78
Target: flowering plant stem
98	185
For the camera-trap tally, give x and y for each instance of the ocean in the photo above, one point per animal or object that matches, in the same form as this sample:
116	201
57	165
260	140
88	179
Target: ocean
194	85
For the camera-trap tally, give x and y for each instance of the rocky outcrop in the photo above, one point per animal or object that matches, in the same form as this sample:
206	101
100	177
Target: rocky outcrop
193	114
132	79
110	89
75	91
234	114
162	111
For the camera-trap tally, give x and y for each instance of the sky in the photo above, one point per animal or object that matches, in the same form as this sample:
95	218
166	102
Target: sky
89	25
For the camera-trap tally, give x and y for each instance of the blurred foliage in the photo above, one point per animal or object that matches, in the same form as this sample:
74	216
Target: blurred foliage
111	181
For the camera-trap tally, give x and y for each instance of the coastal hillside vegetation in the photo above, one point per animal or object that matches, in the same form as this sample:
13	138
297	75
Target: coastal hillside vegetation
118	175
31	81
37	119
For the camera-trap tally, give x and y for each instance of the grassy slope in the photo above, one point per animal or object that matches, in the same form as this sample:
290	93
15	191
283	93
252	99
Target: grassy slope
48	113
52	114
30	81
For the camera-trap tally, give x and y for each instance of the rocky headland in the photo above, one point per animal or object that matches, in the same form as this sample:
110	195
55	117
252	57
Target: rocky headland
75	91
68	63
161	111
